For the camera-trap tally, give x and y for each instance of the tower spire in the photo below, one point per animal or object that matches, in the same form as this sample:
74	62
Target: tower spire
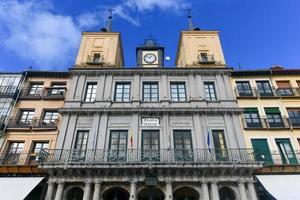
190	23
109	21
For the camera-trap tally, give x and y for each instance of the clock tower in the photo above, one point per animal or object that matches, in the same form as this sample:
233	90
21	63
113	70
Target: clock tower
150	54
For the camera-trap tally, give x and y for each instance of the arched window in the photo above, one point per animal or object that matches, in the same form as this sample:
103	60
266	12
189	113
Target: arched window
75	193
226	193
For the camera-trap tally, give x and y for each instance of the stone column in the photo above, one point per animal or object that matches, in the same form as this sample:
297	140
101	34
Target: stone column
252	191
59	191
242	190
214	191
205	192
169	190
50	190
87	190
133	194
97	189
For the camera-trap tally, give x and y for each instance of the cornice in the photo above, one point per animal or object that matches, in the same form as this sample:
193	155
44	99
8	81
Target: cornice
149	71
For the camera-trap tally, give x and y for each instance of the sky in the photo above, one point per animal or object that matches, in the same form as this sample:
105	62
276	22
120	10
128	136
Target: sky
45	35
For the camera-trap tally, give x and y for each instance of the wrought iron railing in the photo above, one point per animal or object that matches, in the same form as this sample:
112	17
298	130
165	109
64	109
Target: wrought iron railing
277	158
16	122
95	60
288	92
206	59
18	159
265	123
139	156
246	93
50	92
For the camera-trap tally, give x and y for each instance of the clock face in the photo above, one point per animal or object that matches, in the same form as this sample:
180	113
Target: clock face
149	58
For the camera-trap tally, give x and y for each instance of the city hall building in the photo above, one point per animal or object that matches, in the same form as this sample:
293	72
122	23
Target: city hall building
150	132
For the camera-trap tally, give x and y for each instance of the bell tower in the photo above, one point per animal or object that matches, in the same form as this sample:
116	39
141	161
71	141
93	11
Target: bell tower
101	49
199	48
150	54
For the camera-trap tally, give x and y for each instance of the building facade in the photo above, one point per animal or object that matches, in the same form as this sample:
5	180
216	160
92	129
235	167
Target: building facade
150	132
271	121
33	125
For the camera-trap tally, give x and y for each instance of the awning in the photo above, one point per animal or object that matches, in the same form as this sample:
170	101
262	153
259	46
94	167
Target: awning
281	187
17	188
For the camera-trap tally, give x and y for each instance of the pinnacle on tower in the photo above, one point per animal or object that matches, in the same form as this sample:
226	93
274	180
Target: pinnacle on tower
191	27
108	27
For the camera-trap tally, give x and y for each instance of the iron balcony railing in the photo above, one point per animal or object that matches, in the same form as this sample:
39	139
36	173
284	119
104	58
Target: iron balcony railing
265	123
272	92
18	159
95	60
207	59
288	92
139	156
277	158
16	122
246	93
49	92
8	91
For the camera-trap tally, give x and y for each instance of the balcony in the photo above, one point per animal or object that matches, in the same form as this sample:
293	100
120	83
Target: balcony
206	59
277	158
55	93
245	93
138	157
8	91
35	123
265	123
95	60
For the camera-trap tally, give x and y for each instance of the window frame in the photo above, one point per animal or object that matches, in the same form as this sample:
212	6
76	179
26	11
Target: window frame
264	89
242	92
122	83
151	83
178	98
20	116
210	98
118	150
88	97
185	154
36	93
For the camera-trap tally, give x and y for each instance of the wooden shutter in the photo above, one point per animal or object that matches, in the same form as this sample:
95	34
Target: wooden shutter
283	84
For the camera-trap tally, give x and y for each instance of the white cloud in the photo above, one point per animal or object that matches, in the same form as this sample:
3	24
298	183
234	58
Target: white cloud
33	32
148	5
88	20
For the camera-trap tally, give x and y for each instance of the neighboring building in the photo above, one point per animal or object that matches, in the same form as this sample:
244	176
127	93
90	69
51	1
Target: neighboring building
9	90
33	125
271	122
150	132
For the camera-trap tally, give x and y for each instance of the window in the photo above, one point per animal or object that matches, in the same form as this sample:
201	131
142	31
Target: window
264	88
203	57
244	88
294	115
38	146
150	92
183	145
26	116
286	151
57	89
118	145
150	145
13	155
90	94
80	145
97	58
274	118
50	117
178	93
252	118
210	92
219	144
122	92
36	88
284	88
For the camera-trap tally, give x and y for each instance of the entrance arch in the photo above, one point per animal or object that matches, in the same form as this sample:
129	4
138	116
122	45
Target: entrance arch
116	193
185	193
75	193
226	193
151	193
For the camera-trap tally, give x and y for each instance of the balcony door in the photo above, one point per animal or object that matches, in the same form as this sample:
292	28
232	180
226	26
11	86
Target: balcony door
150	145
183	145
286	151
262	151
80	145
219	145
13	156
118	146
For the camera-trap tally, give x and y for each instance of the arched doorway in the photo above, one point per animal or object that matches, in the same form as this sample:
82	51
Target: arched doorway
116	193
75	193
185	193
226	193
151	193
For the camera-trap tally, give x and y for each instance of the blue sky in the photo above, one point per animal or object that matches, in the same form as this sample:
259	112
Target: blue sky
46	34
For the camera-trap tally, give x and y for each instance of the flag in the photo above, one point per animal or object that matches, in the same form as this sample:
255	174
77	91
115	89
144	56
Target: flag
131	139
208	141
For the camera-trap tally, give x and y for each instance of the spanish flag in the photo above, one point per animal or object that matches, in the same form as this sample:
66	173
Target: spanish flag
131	138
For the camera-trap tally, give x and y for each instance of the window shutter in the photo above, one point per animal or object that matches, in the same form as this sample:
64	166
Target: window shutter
272	110
283	84
250	110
